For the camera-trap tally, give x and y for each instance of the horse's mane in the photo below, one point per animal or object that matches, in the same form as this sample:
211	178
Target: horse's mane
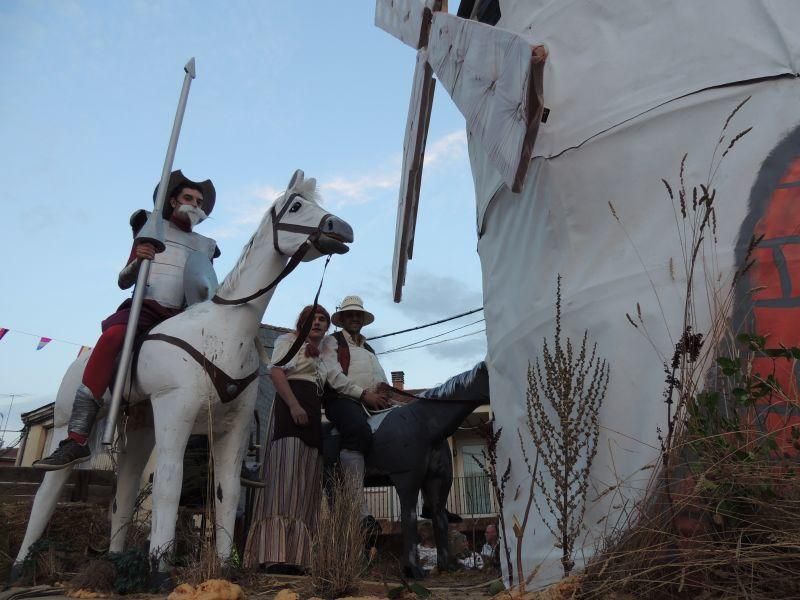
307	189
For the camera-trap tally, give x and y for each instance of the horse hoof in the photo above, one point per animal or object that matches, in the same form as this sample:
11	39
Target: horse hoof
414	572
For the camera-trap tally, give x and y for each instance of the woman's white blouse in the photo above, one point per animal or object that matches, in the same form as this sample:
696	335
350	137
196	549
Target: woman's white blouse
317	369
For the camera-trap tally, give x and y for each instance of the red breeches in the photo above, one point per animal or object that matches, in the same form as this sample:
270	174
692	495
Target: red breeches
97	375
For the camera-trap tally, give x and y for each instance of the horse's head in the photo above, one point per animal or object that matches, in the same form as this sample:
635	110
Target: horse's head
297	219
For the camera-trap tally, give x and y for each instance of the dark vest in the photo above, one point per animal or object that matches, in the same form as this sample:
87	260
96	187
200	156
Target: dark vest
343	351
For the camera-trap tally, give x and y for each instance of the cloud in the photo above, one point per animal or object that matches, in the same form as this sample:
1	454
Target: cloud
470	350
247	207
467	350
242	212
344	190
446	148
425	294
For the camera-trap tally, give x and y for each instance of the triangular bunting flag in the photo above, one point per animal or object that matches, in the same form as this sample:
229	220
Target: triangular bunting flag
3	331
43	342
84	349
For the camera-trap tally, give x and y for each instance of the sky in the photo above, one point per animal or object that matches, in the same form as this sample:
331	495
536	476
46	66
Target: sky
90	90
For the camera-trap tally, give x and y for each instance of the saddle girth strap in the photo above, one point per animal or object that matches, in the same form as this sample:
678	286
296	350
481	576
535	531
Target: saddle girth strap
226	386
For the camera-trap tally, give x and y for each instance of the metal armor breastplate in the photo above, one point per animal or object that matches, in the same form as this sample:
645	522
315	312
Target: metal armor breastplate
165	284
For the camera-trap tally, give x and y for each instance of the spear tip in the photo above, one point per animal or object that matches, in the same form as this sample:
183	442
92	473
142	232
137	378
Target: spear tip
189	68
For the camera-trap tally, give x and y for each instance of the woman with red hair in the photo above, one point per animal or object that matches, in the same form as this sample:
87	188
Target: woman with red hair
286	511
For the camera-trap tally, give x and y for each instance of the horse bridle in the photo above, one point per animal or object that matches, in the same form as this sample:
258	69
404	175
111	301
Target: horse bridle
296	258
277	225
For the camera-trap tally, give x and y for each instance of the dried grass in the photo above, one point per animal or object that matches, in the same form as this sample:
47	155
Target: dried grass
703	553
75	531
196	534
337	557
97	576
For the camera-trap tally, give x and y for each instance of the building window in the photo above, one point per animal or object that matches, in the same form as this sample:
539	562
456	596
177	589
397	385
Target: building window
475	487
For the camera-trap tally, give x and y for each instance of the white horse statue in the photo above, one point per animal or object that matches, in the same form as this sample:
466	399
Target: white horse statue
196	367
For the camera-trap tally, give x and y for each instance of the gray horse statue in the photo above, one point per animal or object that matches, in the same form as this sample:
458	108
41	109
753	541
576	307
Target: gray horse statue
410	448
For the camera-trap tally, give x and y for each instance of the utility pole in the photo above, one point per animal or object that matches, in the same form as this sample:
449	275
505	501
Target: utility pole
8	414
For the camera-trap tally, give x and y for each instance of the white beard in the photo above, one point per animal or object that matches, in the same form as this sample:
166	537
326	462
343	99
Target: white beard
193	214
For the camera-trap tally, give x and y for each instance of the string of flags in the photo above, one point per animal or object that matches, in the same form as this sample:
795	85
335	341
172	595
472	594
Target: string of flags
43	340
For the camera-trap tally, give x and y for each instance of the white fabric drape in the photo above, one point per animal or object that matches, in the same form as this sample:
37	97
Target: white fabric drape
632	87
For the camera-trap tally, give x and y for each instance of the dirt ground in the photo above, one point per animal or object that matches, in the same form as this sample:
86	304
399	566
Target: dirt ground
269	587
445	587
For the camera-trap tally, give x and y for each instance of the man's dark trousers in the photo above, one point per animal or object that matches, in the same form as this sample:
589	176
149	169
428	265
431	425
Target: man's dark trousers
350	420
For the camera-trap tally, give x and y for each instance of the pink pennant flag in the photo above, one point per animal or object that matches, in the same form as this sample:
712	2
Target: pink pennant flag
84	349
43	342
3	331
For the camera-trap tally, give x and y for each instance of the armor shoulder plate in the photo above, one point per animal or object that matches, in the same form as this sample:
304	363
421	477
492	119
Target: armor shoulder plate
204	244
138	219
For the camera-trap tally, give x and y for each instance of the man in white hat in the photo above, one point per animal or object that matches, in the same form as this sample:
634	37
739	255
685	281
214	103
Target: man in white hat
358	361
188	203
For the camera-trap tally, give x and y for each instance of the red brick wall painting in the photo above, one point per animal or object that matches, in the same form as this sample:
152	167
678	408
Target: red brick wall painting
768	297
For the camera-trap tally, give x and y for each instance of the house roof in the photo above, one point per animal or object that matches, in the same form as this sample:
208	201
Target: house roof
8	455
37	415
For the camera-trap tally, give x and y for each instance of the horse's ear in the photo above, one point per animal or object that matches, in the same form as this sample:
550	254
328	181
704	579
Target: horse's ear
311	184
296	179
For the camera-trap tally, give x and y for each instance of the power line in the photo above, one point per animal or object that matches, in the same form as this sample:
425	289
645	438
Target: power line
458	337
464	314
433	337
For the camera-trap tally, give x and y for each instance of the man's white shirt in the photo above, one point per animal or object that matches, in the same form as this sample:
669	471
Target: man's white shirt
365	370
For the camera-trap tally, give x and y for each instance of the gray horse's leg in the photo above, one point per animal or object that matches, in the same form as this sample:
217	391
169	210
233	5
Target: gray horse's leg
435	490
407	486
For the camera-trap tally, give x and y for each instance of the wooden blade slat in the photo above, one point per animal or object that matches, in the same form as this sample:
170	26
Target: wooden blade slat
495	79
419	114
407	20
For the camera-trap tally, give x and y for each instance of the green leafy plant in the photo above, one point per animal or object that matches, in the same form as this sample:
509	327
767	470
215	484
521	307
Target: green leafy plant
42	562
729	445
132	569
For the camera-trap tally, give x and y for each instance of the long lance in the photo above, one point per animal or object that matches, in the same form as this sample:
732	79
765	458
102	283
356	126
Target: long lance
152	233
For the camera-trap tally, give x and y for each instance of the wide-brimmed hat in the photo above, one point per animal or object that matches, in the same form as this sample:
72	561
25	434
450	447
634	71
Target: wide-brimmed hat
352	303
178	180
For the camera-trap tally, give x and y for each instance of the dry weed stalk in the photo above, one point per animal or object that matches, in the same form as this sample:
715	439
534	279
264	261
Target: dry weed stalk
208	565
565	392
337	557
499	481
520	528
203	562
